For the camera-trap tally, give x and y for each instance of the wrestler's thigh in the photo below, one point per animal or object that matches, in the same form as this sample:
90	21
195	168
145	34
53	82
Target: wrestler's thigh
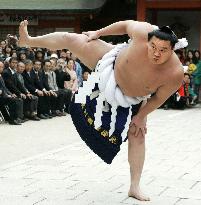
88	52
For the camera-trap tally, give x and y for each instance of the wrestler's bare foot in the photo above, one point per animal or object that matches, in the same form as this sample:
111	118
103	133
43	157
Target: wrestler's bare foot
24	36
137	194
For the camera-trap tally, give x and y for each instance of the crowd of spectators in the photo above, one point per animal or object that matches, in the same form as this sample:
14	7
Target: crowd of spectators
37	83
189	93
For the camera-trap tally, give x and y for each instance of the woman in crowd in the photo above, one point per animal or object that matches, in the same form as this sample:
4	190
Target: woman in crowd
189	56
22	56
197	56
39	55
73	83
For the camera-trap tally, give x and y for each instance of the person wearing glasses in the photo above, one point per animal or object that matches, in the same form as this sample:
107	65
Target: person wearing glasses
129	81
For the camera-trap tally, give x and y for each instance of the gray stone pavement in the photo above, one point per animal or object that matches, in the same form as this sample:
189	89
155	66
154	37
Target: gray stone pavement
73	175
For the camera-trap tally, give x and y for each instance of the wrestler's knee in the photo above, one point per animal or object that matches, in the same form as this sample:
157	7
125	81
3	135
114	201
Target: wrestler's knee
139	139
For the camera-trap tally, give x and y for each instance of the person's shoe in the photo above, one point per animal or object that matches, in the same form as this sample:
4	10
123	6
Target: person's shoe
25	119
58	113
14	122
20	120
41	116
35	118
48	116
63	113
53	114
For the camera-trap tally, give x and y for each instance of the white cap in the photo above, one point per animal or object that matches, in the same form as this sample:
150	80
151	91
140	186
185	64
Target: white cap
54	55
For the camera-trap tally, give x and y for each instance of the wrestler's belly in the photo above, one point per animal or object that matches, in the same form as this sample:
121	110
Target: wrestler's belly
134	90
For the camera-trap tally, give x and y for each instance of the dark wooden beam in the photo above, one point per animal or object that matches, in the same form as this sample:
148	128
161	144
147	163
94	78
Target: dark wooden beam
141	10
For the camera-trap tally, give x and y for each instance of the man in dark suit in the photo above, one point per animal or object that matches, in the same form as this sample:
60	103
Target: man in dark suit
16	87
31	101
61	77
34	87
56	95
11	83
14	104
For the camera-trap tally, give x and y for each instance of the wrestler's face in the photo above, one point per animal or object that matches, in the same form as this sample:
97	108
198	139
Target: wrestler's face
159	51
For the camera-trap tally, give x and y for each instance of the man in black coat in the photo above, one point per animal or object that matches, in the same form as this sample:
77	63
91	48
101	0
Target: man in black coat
14	104
35	88
61	77
30	101
11	83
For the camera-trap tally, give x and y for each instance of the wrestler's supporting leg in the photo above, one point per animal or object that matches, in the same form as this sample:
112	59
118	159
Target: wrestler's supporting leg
88	52
136	156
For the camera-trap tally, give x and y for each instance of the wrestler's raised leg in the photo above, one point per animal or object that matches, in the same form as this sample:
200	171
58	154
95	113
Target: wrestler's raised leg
136	156
88	52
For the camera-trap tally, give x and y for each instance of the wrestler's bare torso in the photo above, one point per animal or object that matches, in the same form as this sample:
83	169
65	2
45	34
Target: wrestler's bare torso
137	76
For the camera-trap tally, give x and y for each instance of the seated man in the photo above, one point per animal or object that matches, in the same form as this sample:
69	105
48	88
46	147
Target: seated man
30	101
61	77
120	86
57	100
11	83
31	83
14	104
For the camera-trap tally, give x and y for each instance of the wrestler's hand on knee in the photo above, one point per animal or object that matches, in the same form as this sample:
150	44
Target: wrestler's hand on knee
92	35
139	124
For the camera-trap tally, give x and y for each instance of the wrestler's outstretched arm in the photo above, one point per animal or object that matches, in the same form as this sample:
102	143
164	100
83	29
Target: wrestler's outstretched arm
130	27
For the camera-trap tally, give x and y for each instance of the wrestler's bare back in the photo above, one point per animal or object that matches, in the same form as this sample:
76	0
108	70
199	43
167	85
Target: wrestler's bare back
136	76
